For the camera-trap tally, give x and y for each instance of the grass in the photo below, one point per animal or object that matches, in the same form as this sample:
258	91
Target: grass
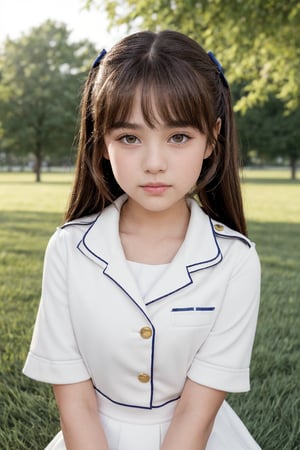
30	213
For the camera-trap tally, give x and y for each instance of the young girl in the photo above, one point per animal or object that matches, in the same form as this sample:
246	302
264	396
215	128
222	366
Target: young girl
151	289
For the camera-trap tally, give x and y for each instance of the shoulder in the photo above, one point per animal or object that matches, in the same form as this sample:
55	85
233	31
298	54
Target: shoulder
70	233
238	250
222	231
109	213
93	231
219	231
216	242
81	222
75	229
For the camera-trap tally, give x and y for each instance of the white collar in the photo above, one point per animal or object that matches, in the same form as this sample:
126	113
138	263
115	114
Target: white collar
200	249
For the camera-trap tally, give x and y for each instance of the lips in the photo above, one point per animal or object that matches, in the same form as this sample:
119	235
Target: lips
155	188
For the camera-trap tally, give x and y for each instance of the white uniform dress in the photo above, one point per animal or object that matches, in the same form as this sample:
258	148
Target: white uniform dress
138	330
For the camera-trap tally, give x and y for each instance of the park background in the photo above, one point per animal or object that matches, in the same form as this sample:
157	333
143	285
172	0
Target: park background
42	70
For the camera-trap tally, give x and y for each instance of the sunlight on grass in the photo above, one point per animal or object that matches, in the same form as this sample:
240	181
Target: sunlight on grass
270	196
272	203
20	192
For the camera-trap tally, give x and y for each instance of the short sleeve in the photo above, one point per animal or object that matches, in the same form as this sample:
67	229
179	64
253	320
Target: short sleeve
223	360
54	356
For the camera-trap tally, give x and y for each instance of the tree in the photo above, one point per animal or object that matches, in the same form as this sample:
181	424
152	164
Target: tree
41	76
257	41
271	132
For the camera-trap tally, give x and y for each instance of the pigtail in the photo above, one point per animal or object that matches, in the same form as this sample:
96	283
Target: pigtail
83	191
219	189
90	193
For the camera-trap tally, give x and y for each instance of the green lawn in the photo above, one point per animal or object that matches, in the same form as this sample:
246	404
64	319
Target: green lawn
29	213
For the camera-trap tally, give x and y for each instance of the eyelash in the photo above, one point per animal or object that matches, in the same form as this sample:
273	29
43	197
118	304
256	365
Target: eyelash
183	135
124	138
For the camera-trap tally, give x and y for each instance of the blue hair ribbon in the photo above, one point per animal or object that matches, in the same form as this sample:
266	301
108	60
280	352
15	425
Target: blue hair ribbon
219	67
99	58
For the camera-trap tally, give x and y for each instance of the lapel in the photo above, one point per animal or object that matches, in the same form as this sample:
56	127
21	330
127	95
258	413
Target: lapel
102	244
200	250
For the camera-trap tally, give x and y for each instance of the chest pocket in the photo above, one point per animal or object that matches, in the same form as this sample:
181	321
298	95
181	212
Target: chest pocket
192	316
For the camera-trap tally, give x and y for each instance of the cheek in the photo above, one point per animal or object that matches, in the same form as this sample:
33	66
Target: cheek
195	174
191	167
121	166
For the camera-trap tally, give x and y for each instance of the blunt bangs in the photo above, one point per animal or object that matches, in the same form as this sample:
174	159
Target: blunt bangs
170	92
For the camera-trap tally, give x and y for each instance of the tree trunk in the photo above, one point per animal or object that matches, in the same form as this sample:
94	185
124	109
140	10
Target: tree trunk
38	153
38	167
293	165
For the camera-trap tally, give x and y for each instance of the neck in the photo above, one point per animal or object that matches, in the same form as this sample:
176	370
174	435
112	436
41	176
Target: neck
172	222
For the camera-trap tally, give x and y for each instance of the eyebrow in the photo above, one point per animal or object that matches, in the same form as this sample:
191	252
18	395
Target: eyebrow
136	126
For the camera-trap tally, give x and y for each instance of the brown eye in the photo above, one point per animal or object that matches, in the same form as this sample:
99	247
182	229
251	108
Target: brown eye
129	139
179	138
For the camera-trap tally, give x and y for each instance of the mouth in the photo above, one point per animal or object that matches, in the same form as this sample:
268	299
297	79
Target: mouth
155	188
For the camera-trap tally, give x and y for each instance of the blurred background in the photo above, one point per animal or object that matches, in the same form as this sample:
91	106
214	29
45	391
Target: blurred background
46	48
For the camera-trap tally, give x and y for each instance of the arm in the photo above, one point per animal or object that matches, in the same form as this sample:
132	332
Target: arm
193	418
80	421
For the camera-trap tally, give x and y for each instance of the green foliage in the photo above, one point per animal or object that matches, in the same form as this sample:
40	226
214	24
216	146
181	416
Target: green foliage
257	41
41	78
29	418
271	132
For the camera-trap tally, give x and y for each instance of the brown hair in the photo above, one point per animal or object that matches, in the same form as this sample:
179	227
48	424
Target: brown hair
187	87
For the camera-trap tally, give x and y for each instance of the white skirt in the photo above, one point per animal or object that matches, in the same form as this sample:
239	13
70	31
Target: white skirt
229	433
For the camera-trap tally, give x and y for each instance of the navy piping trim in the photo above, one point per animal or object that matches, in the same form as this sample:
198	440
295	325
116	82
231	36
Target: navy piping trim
196	266
78	248
191	308
135	406
205	308
153	328
69	224
212	259
182	287
88	249
166	403
194	308
172	292
244	240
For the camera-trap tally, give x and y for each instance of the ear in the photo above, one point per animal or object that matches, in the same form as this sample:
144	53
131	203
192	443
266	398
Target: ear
105	153
217	129
208	151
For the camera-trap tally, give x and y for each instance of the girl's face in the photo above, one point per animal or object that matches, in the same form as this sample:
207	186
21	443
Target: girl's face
158	166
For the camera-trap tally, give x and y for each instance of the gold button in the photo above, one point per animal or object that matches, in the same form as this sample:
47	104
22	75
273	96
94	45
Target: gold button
143	377
219	227
146	332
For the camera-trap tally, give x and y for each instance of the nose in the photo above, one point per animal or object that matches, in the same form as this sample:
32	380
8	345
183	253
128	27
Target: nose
155	159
